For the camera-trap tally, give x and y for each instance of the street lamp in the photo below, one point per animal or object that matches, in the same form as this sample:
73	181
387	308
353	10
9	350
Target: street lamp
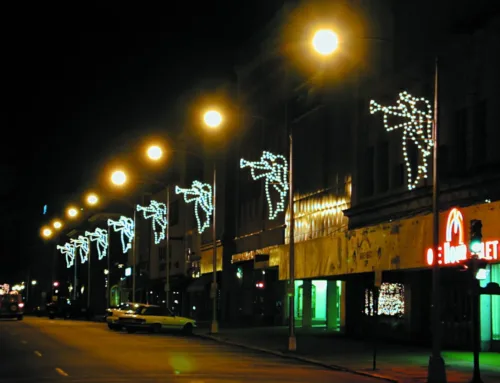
47	232
92	199
325	42
154	152
118	178
212	119
72	212
34	282
57	224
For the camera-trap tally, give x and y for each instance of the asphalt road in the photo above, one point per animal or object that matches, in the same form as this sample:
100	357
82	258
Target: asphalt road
43	350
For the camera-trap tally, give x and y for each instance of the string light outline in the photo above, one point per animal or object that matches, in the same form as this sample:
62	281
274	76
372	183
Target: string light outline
125	226
274	169
100	236
68	250
82	244
201	194
157	212
417	129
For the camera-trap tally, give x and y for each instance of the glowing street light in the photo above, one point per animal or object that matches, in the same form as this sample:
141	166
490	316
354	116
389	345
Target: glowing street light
57	224
212	119
47	232
72	212
92	199
34	282
118	178
154	152
325	42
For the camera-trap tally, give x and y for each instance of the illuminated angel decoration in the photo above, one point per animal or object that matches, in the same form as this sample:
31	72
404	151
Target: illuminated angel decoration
201	195
100	236
124	225
417	129
69	252
82	244
157	212
274	169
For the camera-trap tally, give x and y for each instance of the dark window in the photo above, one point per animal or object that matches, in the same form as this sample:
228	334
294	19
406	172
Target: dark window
163	266
162	253
461	155
368	176
174	213
398	176
479	134
383	166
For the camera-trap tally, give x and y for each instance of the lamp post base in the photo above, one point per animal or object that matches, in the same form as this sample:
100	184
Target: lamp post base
292	343
214	327
436	372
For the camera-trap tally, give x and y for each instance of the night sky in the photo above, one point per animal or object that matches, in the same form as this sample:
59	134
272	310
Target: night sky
79	79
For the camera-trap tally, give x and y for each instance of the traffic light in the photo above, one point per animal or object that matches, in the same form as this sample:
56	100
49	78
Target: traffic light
476	236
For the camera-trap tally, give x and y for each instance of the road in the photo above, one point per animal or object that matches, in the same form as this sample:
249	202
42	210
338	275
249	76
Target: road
43	350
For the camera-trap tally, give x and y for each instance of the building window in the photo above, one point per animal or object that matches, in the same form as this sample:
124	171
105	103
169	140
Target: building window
398	176
391	300
461	154
368	176
162	253
479	135
383	167
163	266
174	213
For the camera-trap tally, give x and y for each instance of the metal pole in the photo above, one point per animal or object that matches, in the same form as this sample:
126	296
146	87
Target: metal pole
436	368
75	277
108	286
292	341
134	260
215	327
88	276
476	320
167	251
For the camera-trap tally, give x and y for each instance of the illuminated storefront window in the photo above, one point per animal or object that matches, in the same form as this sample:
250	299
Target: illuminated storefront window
391	301
495	304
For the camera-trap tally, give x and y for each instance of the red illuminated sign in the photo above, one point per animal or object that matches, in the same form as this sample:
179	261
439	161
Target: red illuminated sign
454	250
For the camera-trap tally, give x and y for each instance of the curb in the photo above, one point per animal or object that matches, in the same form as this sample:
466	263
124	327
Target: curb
298	358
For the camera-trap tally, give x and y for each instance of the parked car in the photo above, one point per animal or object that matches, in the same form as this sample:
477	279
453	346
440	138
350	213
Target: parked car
114	314
155	319
11	305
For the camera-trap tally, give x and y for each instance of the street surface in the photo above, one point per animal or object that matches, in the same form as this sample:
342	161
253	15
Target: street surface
43	350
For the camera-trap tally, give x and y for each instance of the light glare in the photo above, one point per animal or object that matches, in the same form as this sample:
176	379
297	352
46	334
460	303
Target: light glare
57	224
72	212
119	177
46	232
92	199
212	118
155	152
325	42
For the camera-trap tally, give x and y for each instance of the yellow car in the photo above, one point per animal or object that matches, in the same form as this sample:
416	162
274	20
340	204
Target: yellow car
154	319
116	313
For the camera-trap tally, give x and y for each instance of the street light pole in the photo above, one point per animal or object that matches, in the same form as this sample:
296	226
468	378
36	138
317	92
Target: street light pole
167	251
134	257
88	276
215	326
292	341
75	280
108	286
436	368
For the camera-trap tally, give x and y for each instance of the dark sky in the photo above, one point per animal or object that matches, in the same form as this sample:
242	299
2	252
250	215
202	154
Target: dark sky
79	77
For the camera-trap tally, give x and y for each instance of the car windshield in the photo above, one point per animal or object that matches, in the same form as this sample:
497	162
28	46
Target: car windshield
128	306
10	298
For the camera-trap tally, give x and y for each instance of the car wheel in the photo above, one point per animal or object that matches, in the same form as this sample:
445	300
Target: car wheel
131	330
111	326
156	328
187	329
19	317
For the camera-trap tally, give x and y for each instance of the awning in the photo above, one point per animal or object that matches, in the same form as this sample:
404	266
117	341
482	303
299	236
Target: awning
199	284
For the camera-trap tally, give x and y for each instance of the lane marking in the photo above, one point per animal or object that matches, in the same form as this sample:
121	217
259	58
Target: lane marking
61	372
38	353
24	342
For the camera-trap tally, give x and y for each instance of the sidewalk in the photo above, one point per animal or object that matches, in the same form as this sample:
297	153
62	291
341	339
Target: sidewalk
394	363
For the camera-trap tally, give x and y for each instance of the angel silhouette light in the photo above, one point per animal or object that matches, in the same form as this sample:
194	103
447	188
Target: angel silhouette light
82	244
124	225
201	195
417	129
274	169
69	251
100	236
157	212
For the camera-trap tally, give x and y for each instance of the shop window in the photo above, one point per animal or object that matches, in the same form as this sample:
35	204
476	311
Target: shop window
391	301
318	301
